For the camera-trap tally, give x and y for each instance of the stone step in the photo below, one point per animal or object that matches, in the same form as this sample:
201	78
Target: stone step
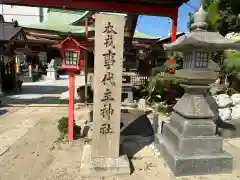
192	145
43	77
189	128
27	79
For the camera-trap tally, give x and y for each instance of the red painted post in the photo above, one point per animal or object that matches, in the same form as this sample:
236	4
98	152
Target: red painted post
71	45
174	25
71	106
173	38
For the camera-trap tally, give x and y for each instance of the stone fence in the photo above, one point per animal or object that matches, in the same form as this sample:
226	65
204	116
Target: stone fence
135	79
139	80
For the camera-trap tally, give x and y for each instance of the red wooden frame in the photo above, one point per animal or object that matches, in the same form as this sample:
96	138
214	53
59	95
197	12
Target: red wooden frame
148	9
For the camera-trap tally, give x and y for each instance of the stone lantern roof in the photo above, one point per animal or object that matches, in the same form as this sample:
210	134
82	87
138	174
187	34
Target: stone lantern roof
200	38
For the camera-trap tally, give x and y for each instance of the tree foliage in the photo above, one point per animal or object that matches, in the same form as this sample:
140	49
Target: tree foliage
161	79
223	15
191	20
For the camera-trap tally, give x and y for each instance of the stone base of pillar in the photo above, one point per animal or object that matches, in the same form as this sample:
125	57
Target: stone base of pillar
100	167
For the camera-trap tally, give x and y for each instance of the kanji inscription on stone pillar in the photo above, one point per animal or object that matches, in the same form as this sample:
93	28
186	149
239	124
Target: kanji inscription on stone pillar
109	40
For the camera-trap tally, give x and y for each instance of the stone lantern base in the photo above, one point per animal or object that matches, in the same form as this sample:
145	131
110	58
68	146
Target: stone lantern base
189	143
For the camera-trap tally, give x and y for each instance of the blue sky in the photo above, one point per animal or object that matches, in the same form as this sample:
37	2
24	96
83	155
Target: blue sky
160	26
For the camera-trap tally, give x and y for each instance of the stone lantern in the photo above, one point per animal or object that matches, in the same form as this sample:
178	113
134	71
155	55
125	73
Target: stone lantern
189	142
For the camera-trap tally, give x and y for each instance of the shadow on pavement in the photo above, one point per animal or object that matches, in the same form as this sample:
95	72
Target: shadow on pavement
136	132
36	94
39	102
43	89
3	111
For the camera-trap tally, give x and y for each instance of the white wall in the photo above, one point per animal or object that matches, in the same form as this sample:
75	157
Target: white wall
23	14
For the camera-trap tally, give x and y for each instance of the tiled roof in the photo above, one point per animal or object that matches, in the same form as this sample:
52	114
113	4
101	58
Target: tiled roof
61	20
8	31
143	36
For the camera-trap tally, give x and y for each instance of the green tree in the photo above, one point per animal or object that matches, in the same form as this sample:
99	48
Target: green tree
223	15
191	20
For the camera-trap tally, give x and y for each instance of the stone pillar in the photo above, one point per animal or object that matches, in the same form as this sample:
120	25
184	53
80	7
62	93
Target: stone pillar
1	92
52	74
189	143
30	70
17	61
37	68
102	157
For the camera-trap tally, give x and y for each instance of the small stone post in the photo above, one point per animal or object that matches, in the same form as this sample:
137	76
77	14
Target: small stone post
51	71
1	92
30	70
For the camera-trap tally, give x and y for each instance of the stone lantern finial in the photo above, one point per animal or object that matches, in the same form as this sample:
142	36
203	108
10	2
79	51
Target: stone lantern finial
200	20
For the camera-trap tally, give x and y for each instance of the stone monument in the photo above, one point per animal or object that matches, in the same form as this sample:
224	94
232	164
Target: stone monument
102	157
188	142
51	71
30	70
142	104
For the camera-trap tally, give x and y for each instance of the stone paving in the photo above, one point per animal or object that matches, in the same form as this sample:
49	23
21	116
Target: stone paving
31	152
25	110
18	119
35	91
38	103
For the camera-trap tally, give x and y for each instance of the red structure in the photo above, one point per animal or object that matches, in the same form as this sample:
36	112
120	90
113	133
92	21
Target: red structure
72	54
167	8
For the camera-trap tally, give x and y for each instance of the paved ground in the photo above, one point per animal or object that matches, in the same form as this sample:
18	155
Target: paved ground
29	151
33	92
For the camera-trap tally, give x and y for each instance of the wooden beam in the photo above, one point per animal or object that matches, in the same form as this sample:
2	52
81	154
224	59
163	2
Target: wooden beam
99	5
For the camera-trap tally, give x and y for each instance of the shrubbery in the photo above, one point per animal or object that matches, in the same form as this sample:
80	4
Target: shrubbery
63	128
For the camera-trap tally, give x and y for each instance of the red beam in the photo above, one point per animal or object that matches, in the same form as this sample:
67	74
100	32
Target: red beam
98	5
174	25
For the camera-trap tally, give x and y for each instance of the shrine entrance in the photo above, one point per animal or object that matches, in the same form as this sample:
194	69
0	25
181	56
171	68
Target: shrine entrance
166	8
7	70
103	155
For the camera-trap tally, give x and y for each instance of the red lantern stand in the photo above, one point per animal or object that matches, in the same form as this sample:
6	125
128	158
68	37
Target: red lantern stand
72	55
